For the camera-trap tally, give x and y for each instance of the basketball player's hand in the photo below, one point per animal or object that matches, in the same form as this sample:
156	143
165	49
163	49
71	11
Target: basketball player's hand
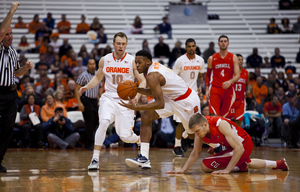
82	90
129	105
80	107
175	172
199	90
224	171
207	95
226	84
135	100
29	65
14	7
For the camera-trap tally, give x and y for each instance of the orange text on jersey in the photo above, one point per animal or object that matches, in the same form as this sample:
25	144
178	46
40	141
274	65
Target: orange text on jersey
191	67
117	70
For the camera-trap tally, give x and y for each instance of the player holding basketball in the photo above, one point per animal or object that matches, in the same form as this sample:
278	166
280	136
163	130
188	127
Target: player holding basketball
190	67
115	67
222	72
171	96
238	108
238	145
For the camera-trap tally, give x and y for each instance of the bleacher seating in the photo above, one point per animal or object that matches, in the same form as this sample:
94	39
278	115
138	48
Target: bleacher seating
243	21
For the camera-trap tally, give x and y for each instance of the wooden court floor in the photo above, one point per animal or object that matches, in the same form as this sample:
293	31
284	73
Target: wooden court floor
66	170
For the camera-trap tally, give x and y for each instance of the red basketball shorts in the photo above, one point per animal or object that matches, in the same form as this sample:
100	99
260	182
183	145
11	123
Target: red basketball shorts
237	110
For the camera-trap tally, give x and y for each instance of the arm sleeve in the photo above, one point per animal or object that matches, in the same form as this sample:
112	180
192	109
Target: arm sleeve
207	77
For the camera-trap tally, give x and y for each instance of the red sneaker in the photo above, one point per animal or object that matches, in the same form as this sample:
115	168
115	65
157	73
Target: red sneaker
282	164
243	167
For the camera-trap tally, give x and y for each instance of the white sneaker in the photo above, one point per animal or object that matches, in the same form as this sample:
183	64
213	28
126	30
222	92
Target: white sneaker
94	165
140	161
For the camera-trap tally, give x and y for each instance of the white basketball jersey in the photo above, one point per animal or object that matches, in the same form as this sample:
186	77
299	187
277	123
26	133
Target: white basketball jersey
174	86
117	71
189	69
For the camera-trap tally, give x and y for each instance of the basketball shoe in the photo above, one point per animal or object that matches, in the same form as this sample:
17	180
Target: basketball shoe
282	164
94	165
178	152
139	161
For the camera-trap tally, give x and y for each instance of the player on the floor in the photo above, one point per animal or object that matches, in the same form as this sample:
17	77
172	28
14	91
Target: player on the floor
171	96
239	106
222	72
190	67
238	145
115	67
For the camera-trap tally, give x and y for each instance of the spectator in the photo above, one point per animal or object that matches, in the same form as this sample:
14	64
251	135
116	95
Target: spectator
267	63
47	111
60	131
96	25
270	80
209	51
42	66
59	98
82	27
272	111
42	46
176	52
64	48
55	42
254	60
43	31
273	27
298	57
101	35
164	28
54	66
161	50
28	122
260	91
20	24
49	55
274	73
80	66
107	50
281	96
285	26
277	61
289	74
28	91
34	25
23	46
282	82
145	46
285	4
270	94
82	49
50	21
252	80
63	26
296	26
292	88
137	26
69	97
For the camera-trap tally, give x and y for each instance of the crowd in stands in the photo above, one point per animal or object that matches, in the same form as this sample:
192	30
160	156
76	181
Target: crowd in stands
276	97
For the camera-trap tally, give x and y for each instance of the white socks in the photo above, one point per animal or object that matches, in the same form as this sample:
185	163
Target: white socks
177	142
96	154
145	149
272	164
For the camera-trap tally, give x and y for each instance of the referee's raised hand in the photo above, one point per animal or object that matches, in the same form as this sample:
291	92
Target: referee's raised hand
29	65
14	7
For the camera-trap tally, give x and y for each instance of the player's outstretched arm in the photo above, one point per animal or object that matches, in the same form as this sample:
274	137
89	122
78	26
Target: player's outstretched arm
195	154
95	80
233	139
7	20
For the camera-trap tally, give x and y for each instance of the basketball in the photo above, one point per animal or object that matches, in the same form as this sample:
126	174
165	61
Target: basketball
127	89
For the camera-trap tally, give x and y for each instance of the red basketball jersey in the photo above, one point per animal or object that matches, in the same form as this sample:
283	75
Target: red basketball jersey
222	69
240	85
217	137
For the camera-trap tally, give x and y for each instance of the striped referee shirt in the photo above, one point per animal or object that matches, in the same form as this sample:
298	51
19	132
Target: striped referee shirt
8	64
83	79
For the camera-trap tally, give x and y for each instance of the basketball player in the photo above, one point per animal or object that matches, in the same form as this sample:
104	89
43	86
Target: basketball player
190	67
222	72
238	108
171	96
236	157
115	67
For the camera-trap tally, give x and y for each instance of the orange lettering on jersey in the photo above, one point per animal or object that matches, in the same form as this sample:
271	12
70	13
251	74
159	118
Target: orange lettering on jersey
196	109
156	65
117	70
191	67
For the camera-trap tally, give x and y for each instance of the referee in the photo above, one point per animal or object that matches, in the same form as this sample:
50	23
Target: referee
88	104
9	69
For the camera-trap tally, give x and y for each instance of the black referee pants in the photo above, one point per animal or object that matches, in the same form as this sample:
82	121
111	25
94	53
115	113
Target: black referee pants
91	119
8	112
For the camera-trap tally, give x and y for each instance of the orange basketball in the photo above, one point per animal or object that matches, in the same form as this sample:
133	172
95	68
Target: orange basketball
127	89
